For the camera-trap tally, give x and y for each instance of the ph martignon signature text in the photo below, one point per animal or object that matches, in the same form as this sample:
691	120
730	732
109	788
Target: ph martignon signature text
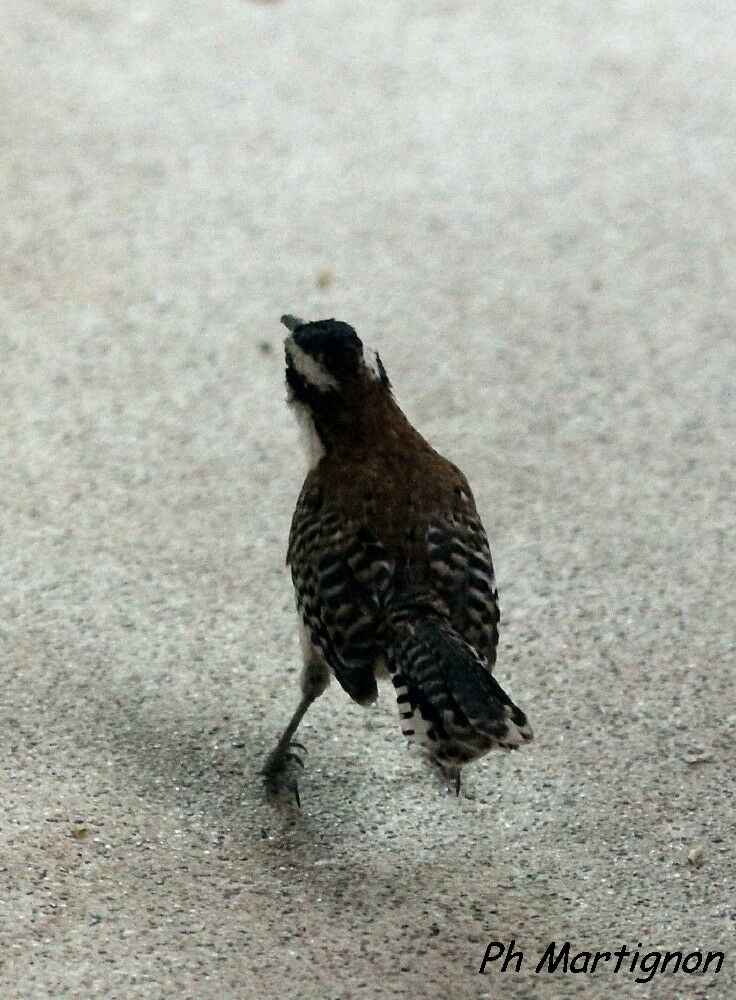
563	958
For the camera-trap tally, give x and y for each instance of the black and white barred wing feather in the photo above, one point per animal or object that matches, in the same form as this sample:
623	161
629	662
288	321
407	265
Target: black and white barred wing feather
440	659
462	574
341	576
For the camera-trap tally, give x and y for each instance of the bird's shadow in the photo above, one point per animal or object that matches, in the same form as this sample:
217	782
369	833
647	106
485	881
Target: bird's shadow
346	871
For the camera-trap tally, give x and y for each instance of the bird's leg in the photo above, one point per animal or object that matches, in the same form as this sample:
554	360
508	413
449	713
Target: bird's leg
278	771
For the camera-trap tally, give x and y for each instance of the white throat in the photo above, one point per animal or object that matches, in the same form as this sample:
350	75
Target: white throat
313	448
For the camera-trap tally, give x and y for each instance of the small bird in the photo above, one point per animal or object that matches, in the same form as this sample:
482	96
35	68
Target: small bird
390	563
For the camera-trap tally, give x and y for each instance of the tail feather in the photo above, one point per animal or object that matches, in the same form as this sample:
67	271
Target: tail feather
448	700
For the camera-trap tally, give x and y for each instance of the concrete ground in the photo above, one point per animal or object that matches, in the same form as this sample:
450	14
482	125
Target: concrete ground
529	209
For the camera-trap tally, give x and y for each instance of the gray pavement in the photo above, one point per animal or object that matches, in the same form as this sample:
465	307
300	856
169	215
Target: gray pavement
530	210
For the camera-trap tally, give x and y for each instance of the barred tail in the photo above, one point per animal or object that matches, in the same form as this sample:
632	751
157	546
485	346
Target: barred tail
449	702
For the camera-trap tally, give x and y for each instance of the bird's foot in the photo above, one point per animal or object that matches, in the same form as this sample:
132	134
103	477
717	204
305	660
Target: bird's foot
281	769
454	779
450	774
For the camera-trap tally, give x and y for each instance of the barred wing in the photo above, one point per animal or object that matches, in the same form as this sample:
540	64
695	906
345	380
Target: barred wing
341	577
461	571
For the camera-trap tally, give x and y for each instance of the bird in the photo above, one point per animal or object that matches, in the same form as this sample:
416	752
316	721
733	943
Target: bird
390	562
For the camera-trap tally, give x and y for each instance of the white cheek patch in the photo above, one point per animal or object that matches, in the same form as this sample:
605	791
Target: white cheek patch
309	369
373	365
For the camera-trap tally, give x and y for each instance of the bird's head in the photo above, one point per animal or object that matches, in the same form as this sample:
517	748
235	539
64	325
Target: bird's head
326	364
337	388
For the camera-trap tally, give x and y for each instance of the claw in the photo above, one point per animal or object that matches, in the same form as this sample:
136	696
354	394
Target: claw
277	770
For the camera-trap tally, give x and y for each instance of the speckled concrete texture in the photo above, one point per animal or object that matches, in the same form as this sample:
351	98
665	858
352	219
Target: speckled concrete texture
529	209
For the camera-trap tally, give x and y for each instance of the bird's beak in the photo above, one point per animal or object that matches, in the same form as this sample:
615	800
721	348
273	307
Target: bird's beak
291	322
